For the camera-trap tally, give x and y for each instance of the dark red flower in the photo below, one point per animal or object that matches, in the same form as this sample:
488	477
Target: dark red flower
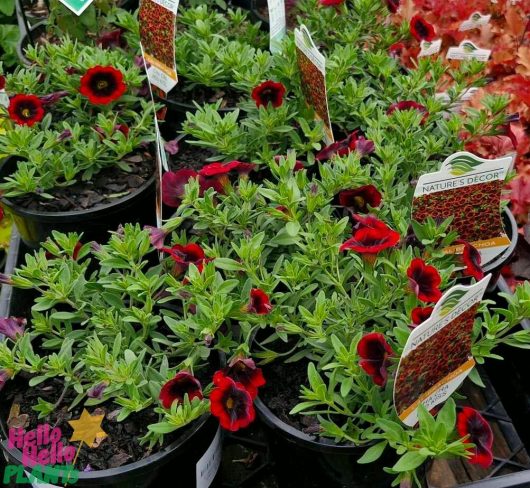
421	29
102	85
53	97
424	280
216	169
353	142
409	105
176	388
371	237
358	199
393	5
231	403
471	259
244	371
374	352
259	302
330	3
396	49
173	183
183	256
2	82
268	92
25	109
420	314
111	39
470	423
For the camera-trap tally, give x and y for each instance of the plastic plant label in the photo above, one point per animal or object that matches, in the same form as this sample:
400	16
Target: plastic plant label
429	48
77	6
457	104
468	50
312	65
157	36
4	99
475	21
208	464
277	24
437	356
467	188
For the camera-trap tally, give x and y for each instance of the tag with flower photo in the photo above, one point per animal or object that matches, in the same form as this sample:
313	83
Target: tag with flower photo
77	6
475	21
437	356
277	24
157	20
468	50
312	65
428	48
467	188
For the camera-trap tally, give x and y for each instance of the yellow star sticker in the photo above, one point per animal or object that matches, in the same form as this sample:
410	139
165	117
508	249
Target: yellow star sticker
87	428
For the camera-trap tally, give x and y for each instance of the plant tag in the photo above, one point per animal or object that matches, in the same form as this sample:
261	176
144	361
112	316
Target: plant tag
4	99
457	104
312	65
467	188
277	24
208	464
157	37
429	48
437	356
475	21
77	6
468	50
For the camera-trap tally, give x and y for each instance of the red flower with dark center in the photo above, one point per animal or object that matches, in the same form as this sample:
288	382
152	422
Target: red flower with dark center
173	183
244	371
371	237
374	352
396	49
358	199
183	256
259	302
409	105
470	423
342	148
25	109
421	29
231	403
176	388
424	280
2	82
102	85
393	5
472	259
268	92
420	314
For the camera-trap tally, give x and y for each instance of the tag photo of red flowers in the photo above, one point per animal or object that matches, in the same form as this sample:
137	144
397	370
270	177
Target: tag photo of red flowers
157	20
437	356
468	189
312	66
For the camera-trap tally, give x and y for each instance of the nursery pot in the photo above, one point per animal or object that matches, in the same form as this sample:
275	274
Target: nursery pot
35	226
181	456
304	460
24	41
256	7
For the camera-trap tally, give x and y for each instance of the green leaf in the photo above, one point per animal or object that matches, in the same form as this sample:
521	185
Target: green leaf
409	461
228	264
373	453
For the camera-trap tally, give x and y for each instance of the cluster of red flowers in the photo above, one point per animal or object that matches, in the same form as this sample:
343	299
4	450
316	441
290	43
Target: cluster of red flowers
214	175
231	400
374	351
434	359
475	210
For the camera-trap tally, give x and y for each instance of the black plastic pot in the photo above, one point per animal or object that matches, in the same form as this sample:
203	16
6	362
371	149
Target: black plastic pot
310	462
24	41
35	226
179	457
255	7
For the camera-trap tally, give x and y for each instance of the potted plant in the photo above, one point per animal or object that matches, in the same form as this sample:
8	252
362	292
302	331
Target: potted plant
78	142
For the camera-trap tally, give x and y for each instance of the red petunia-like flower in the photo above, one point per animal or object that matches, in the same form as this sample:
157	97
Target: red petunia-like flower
375	352
2	82
393	5
231	403
269	92
353	142
183	256
175	389
102	85
396	49
371	237
471	259
420	314
244	371
173	183
424	280
358	199
421	29
470	423
25	109
259	302
409	105
330	3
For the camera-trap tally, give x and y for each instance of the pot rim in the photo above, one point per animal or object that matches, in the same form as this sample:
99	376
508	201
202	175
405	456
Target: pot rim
51	216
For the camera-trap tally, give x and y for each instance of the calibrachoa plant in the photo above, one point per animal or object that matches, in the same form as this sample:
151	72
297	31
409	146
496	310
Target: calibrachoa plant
74	112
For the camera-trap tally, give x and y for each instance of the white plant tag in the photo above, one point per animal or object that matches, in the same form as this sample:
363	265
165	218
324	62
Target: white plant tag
208	464
277	24
475	21
430	48
468	50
